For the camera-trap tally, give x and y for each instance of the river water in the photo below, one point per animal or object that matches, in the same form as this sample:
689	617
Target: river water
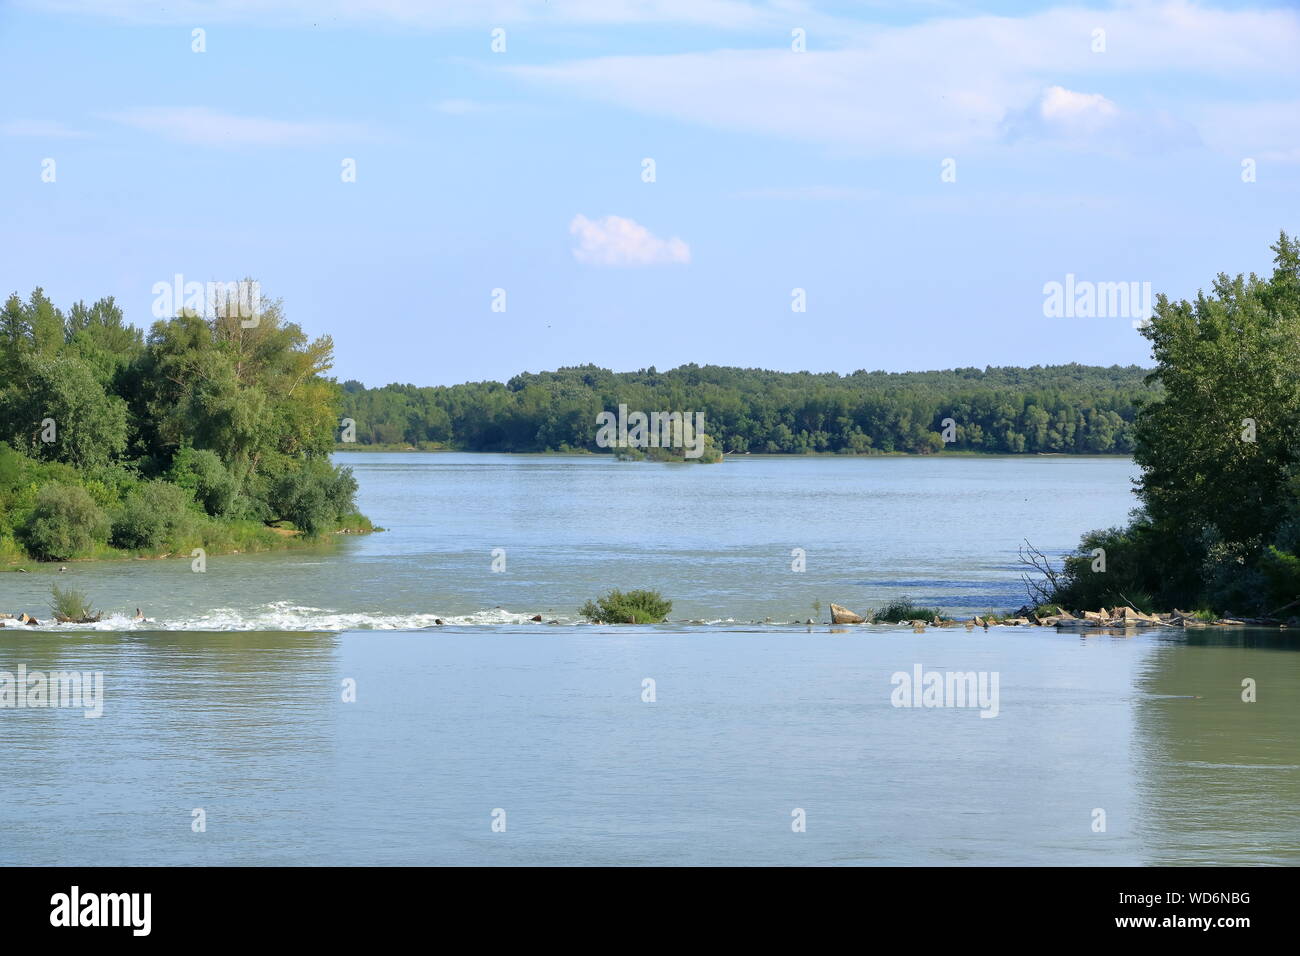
724	736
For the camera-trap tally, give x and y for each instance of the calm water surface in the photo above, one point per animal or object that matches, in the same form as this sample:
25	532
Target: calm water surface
231	700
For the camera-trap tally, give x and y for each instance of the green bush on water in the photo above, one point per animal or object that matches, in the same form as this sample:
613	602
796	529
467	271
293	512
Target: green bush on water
902	609
632	607
70	603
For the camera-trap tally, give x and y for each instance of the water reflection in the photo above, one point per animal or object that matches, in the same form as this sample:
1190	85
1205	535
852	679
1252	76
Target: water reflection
1220	778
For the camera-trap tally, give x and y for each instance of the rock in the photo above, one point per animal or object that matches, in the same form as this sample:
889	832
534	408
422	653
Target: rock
438	620
535	617
809	621
842	615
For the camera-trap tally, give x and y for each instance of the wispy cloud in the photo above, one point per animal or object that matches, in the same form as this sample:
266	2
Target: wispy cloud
615	241
39	129
432	14
201	126
1091	121
956	82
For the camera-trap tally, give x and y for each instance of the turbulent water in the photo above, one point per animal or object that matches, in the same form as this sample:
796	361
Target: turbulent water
305	708
719	540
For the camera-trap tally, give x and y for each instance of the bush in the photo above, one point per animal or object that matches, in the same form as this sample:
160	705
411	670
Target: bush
314	496
153	517
902	609
634	607
202	473
65	522
70	604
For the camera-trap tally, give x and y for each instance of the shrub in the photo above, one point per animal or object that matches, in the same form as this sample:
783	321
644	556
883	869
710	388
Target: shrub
902	609
634	607
154	515
202	473
314	496
64	522
70	603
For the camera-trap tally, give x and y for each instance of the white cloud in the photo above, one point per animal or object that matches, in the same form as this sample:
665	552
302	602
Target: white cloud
1267	131
41	129
201	126
1090	120
955	83
615	241
430	14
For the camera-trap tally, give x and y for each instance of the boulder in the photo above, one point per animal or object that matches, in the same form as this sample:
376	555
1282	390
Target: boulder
842	615
535	617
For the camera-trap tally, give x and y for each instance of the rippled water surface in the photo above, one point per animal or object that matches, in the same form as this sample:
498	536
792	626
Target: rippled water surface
232	700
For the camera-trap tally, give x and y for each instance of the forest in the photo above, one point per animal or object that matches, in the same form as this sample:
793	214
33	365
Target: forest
1065	409
210	433
1218	529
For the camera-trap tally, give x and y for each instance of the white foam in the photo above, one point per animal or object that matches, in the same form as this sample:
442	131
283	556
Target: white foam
286	616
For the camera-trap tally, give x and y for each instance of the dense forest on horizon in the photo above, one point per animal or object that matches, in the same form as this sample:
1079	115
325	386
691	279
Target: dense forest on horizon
1070	409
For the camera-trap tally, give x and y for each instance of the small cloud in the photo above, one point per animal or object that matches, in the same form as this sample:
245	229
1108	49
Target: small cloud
200	126
43	129
1090	120
615	241
1061	114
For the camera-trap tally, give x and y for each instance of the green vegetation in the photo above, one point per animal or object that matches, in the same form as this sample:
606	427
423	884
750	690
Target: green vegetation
1071	409
1219	525
633	607
69	604
902	609
204	433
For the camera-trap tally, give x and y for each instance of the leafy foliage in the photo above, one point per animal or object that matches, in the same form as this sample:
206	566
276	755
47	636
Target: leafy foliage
1220	452
70	604
902	609
632	607
64	522
153	514
183	436
1066	409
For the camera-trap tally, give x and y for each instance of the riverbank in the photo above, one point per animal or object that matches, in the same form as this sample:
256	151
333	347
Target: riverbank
237	538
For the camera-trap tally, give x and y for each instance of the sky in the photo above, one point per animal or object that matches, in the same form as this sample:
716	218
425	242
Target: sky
921	171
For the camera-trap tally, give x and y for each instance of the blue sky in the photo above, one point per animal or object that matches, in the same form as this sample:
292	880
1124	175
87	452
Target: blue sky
774	170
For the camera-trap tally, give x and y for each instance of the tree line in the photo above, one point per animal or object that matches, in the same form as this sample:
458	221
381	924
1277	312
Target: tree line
1218	530
1068	409
201	433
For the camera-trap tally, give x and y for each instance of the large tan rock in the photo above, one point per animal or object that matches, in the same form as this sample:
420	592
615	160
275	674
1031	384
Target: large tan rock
842	615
